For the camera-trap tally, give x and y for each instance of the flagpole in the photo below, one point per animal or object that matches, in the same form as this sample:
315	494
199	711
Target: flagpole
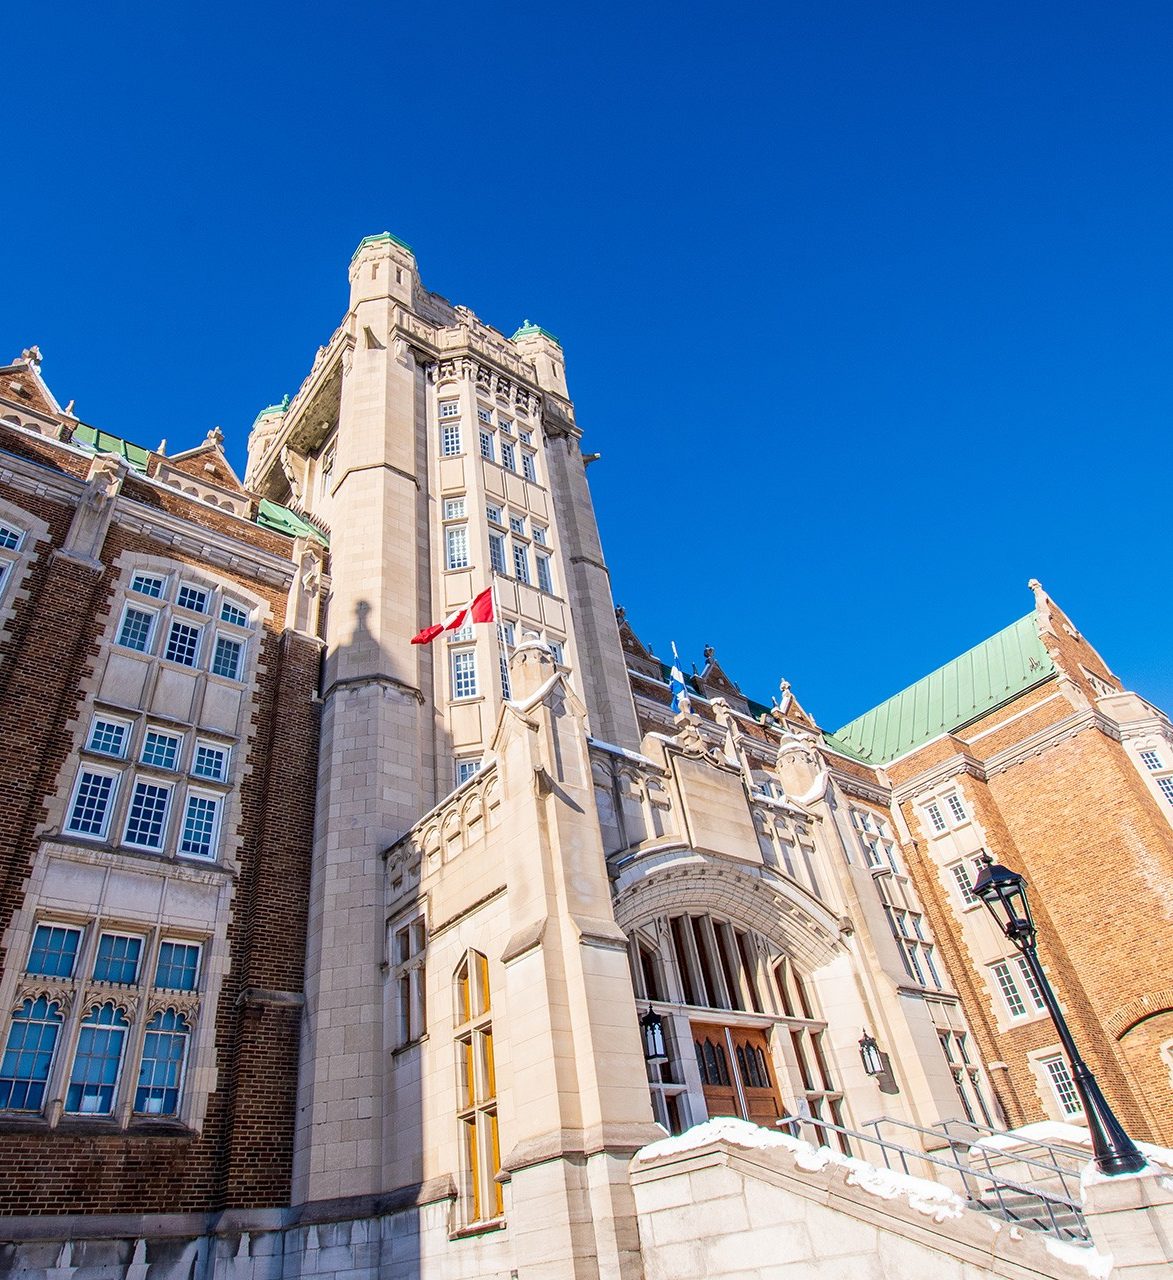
498	621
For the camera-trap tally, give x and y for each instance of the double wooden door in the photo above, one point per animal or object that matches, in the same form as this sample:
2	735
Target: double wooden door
737	1073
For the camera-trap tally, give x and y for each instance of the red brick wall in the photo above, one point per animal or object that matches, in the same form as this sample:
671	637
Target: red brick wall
243	1155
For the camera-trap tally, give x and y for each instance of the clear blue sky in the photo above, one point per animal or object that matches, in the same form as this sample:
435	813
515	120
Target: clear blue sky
867	307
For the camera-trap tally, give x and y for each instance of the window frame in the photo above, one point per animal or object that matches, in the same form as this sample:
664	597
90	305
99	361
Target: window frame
115	775
456	658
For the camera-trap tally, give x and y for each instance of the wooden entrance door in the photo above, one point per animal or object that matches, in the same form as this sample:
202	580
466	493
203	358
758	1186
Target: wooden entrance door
736	1072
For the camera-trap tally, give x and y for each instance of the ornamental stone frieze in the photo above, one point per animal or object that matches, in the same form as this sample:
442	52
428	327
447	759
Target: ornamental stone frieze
62	995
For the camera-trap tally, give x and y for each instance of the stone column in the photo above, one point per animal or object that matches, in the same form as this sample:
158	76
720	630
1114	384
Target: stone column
376	762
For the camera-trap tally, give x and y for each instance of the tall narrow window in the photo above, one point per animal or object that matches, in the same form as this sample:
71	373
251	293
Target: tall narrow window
89	814
147	820
28	1055
521	561
200	820
545	578
1062	1085
464	673
456	546
97	1061
486	442
507	457
497	553
936	821
529	468
450	440
409	976
477	1090
160	1076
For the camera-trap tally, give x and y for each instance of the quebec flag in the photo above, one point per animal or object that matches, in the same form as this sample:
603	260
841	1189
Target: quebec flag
676	682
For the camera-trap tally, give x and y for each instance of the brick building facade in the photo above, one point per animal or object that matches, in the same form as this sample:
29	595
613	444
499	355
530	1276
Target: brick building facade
314	931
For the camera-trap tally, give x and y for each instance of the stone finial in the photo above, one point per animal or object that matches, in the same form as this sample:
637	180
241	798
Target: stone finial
215	436
709	651
620	613
32	356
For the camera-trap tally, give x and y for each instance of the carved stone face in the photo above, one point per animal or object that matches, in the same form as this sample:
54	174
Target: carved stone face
798	766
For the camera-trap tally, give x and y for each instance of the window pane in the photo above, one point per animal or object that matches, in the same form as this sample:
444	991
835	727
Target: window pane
545	580
160	749
520	562
210	761
135	632
956	808
234	614
226	658
507	459
54	951
28	1055
456	543
161	1069
96	1062
528	466
117	958
497	553
193	598
493	514
147	584
450	440
453	508
464	674
148	813
108	737
10	537
486	442
1010	992
199	826
91	806
178	965
1063	1086
183	643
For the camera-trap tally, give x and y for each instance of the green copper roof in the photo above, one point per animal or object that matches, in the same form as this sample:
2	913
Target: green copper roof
977	682
270	515
528	330
271	409
384	237
104	442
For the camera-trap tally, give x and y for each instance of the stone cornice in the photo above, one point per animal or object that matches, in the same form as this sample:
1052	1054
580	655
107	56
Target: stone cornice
960	762
850	785
210	545
1033	745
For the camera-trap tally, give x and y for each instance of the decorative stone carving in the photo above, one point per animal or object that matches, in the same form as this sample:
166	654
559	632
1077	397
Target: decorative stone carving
303	605
800	769
91	520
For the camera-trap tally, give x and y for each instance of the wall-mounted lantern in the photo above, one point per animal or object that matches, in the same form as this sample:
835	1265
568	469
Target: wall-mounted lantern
652	1027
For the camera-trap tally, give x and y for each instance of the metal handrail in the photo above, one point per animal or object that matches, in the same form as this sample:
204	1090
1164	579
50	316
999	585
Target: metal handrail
1055	1148
973	1150
1055	1204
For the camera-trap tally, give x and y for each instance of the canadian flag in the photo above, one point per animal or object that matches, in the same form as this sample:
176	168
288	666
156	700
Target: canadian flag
481	610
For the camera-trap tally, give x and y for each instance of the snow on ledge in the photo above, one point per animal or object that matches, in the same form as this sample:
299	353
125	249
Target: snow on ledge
929	1198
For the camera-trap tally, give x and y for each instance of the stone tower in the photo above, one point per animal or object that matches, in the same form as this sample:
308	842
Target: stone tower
442	457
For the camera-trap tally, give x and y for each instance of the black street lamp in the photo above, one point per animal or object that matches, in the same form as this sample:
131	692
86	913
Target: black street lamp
1004	893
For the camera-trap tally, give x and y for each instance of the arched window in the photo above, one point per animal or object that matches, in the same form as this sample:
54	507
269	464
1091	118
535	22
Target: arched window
28	1055
160	1076
97	1061
477	1090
